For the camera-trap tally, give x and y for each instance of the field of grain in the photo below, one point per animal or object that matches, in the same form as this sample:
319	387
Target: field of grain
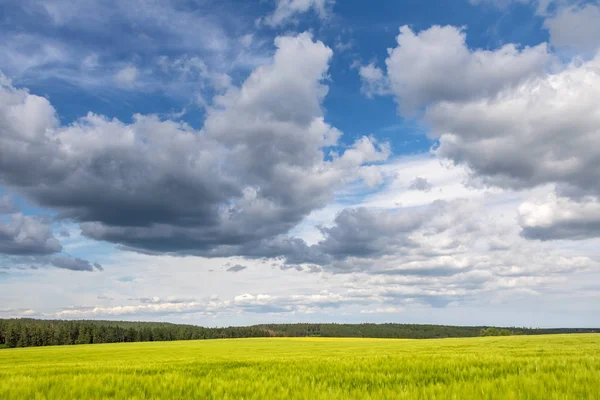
517	367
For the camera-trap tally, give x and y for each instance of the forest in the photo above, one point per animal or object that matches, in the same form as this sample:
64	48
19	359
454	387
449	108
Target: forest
36	332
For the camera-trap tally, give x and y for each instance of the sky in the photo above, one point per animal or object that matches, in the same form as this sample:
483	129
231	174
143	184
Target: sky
272	161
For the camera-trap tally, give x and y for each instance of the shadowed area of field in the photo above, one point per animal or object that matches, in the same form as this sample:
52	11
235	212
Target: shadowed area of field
516	367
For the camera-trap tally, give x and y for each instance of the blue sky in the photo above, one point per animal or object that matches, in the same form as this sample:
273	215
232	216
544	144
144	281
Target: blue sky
389	161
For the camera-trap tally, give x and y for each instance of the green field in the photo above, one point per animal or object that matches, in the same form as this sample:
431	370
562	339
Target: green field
516	367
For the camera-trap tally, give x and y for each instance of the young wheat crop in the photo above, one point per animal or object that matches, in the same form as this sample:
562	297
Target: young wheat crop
517	367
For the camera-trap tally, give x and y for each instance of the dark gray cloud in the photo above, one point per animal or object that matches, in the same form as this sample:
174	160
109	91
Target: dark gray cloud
56	260
374	241
74	264
236	268
366	233
254	170
360	233
369	234
575	230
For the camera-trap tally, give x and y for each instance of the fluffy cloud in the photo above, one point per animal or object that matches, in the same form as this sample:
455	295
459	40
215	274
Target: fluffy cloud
436	65
503	117
254	170
545	130
287	9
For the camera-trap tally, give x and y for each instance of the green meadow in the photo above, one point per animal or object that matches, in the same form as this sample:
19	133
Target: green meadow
515	367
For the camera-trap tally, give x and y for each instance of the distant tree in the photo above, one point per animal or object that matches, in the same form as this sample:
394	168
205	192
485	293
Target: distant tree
495	332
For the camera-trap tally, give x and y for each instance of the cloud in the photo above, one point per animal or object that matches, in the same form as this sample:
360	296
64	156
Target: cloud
64	43
543	131
572	24
236	268
421	184
254	170
506	119
57	260
142	309
441	240
435	65
254	303
560	218
576	27
161	23
127	76
27	235
455	255
291	303
24	53
74	264
542	7
185	74
383	310
363	232
159	300
7	206
286	10
374	81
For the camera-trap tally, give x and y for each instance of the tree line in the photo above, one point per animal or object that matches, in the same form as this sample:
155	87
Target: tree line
35	332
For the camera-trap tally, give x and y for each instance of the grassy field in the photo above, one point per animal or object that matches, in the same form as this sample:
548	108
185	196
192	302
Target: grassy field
516	367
